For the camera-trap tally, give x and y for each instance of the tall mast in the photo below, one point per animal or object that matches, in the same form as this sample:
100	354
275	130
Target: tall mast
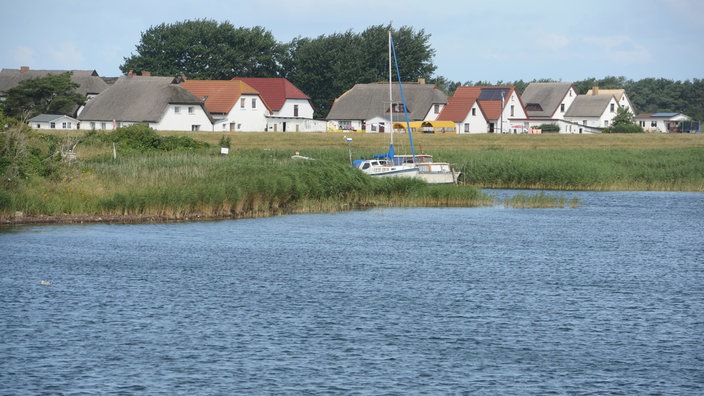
391	97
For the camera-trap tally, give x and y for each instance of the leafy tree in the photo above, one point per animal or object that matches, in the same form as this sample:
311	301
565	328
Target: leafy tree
52	94
623	122
327	66
207	50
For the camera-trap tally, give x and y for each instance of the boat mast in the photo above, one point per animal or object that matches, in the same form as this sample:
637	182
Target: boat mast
391	102
403	97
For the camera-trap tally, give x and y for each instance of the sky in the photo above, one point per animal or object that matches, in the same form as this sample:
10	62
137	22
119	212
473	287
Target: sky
487	40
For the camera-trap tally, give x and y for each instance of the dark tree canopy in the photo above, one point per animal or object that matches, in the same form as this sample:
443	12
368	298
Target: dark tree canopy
206	50
327	66
52	94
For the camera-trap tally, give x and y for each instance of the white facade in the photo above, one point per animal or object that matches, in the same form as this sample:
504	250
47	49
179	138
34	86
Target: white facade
53	122
603	120
474	122
434	112
249	114
176	117
513	116
565	104
295	108
661	122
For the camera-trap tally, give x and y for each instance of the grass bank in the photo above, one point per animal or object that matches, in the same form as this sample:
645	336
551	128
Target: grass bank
172	177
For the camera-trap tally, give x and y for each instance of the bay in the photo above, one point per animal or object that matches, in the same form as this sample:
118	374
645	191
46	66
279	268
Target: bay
605	298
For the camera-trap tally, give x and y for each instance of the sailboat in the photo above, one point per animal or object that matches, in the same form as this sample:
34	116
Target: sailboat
385	165
390	164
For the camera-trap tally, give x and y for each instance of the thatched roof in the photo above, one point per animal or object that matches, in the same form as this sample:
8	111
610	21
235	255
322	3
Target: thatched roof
368	101
589	106
543	98
137	99
88	80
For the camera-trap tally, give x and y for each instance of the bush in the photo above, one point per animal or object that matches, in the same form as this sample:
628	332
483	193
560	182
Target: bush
549	128
624	128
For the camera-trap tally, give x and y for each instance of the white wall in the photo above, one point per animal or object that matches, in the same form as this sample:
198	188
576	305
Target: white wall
305	110
60	123
184	119
477	122
567	102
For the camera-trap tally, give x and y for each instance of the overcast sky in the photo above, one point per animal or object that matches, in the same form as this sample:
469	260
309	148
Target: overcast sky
487	40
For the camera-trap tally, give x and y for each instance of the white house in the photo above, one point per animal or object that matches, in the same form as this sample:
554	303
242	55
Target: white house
665	122
233	104
591	113
158	102
53	121
619	94
466	114
290	110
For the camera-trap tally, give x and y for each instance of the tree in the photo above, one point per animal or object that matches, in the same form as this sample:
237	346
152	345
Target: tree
623	122
52	94
327	66
207	50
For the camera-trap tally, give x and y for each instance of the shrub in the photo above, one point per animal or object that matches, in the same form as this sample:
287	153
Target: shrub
550	128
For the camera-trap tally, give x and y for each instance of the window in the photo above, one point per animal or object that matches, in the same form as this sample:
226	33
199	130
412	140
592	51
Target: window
613	107
195	128
254	103
584	122
295	110
177	109
466	127
190	109
242	103
606	123
512	110
437	108
52	125
92	125
562	107
474	111
39	126
653	124
103	126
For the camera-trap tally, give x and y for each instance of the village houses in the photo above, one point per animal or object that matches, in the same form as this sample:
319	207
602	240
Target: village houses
276	105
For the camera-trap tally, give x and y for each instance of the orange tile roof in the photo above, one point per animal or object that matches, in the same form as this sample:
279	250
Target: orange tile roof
457	108
492	107
222	95
274	91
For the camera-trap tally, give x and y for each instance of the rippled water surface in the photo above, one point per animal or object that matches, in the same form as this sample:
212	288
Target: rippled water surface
607	298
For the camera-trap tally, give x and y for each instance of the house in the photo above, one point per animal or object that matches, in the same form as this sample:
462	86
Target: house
53	121
233	104
619	94
366	107
466	114
548	101
158	102
591	113
89	83
289	108
486	109
667	122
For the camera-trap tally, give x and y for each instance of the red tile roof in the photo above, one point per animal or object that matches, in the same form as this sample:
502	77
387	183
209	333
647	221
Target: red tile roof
490	108
274	91
221	95
457	109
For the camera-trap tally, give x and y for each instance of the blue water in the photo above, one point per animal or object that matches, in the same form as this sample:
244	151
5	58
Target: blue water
607	298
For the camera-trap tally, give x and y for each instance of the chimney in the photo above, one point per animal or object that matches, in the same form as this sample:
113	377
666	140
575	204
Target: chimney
130	73
595	90
421	81
24	69
146	73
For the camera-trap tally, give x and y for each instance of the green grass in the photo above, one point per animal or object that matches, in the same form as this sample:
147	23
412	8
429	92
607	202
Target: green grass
172	177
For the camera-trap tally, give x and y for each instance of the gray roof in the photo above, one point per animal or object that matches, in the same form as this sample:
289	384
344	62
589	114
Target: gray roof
367	101
137	99
49	118
88	80
541	99
589	106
